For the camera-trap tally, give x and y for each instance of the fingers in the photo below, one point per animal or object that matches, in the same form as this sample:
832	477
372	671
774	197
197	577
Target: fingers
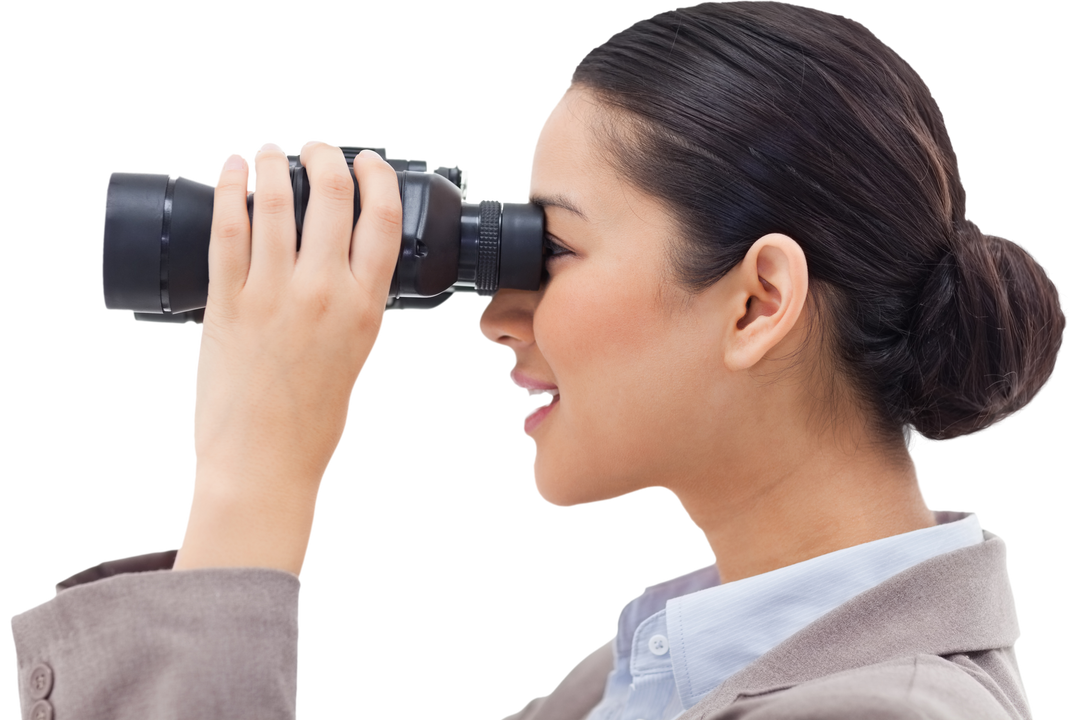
265	252
230	232
328	222
273	225
376	241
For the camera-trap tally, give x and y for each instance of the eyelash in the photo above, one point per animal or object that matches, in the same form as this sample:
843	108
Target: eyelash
552	249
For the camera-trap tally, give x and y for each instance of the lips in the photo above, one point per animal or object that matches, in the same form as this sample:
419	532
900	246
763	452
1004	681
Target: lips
537	417
527	384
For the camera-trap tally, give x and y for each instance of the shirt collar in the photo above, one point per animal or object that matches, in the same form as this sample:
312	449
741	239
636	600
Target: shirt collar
714	630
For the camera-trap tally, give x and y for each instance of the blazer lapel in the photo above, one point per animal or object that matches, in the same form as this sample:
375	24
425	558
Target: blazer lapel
577	694
954	603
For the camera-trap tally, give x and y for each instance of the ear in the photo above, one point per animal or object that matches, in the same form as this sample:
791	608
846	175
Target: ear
770	285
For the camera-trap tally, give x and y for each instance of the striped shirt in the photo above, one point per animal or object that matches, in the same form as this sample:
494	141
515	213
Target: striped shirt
683	638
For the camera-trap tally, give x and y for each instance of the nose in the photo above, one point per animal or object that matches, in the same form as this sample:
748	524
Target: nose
508	319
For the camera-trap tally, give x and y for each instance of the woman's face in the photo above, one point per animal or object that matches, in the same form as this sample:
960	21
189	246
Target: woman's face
691	396
642	391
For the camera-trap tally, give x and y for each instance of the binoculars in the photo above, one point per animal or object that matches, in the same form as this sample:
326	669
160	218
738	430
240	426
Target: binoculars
157	237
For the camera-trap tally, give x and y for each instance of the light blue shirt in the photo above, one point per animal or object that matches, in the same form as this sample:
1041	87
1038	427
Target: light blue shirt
683	638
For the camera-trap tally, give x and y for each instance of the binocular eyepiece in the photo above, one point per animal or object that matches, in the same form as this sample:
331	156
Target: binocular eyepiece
157	237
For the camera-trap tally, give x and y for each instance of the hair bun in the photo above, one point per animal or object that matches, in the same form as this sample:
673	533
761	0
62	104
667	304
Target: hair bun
985	335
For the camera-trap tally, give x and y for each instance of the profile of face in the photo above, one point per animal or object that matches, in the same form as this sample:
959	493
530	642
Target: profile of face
651	380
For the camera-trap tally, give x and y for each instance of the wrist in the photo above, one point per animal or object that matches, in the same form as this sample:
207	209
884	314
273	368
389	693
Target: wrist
243	520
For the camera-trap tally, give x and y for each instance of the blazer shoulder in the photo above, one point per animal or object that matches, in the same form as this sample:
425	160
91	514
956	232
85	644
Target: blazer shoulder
921	687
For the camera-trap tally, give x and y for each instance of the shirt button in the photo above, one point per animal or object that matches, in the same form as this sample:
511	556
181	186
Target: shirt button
658	645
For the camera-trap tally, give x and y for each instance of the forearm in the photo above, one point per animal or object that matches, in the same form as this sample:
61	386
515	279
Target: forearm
235	524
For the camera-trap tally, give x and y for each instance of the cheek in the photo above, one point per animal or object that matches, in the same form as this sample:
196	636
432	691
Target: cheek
598	331
607	341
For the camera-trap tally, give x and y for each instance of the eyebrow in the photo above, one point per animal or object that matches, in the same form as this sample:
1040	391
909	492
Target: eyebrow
559	201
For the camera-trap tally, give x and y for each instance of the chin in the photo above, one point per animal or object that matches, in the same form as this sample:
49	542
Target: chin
560	494
563	492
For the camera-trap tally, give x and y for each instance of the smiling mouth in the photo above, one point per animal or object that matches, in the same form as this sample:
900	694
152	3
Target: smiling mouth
538	415
536	394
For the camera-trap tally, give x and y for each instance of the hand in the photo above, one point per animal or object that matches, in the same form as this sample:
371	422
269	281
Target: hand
284	337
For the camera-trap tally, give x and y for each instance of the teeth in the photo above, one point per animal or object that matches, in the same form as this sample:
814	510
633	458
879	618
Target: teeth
535	391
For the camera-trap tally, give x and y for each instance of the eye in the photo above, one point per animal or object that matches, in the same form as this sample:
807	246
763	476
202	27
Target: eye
552	249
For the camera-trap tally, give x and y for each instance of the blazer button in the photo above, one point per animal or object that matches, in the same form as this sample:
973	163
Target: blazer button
41	680
42	710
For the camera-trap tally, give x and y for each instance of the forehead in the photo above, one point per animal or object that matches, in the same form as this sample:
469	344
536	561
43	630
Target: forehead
565	150
573	173
567	164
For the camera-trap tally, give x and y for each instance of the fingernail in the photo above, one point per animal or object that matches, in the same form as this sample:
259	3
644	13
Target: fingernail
372	153
270	145
235	162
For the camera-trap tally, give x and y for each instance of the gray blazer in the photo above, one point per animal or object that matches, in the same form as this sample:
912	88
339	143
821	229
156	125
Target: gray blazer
129	639
933	642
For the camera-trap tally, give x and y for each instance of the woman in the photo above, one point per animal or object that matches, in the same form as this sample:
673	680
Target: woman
764	286
760	276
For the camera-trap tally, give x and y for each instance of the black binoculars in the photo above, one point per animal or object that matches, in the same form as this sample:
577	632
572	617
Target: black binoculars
157	237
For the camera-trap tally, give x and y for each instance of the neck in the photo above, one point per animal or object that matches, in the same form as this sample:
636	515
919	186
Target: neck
802	499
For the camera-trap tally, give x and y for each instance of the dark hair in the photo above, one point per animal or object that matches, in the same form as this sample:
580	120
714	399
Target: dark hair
748	118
